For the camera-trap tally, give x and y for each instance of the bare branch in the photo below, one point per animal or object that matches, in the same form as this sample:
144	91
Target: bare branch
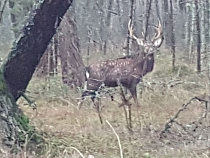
2	10
170	122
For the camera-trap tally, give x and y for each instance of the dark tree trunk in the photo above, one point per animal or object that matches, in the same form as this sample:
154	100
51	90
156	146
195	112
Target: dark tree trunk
197	20
36	36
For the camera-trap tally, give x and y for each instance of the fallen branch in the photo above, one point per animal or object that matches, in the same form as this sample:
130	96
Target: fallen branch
170	122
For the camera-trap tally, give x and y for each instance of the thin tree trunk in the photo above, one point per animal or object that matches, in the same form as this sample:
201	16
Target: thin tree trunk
147	16
51	62
192	30
56	52
188	32
157	9
165	22
128	34
172	36
108	21
197	20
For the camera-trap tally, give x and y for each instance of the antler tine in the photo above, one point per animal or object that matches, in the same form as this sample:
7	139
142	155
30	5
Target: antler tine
159	31
131	31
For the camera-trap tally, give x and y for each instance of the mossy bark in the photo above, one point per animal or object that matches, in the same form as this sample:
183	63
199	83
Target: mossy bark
21	64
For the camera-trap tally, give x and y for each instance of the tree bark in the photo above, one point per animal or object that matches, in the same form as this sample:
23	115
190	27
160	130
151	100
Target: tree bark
147	16
33	42
165	22
157	9
128	34
198	37
71	61
192	20
172	36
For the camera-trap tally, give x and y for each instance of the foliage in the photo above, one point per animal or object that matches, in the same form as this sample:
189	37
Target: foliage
28	135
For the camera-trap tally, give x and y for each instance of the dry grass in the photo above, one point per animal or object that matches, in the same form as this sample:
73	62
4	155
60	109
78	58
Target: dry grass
70	131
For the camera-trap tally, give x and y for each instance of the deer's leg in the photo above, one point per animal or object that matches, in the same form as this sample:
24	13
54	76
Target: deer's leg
134	95
97	106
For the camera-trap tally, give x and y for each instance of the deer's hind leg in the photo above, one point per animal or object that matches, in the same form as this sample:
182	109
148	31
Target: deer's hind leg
134	95
97	106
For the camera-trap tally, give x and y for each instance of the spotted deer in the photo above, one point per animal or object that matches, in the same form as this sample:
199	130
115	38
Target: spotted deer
128	70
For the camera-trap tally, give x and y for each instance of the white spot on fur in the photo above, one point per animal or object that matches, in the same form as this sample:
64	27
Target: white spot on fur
87	74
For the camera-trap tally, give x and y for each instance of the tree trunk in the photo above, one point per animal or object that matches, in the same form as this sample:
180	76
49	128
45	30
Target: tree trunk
192	30
157	9
147	16
165	22
197	20
188	32
128	34
36	36
71	62
172	36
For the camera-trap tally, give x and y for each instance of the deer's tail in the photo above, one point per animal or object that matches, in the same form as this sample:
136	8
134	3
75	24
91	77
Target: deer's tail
87	76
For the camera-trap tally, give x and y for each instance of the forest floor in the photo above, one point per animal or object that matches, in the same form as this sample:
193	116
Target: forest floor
70	130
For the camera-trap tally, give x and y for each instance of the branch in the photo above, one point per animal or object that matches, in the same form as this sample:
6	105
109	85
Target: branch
2	11
170	122
118	139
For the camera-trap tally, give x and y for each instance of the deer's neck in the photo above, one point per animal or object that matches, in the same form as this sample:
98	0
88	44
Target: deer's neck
148	64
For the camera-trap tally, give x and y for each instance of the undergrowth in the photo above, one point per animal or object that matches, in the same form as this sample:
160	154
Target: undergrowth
70	132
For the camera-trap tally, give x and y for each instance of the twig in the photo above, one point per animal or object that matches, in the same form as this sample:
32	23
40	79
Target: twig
118	139
78	151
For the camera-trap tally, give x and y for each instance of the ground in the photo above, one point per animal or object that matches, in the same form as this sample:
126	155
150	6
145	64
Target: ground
69	130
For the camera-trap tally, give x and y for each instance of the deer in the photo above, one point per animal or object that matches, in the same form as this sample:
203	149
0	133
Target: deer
126	71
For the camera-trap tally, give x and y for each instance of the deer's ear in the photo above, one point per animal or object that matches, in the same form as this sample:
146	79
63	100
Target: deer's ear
158	42
140	42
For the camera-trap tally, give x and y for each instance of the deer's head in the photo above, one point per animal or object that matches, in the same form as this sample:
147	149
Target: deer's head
149	47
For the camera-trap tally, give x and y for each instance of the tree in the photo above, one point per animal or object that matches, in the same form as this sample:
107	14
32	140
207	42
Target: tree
71	62
22	61
198	31
165	12
171	22
36	36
